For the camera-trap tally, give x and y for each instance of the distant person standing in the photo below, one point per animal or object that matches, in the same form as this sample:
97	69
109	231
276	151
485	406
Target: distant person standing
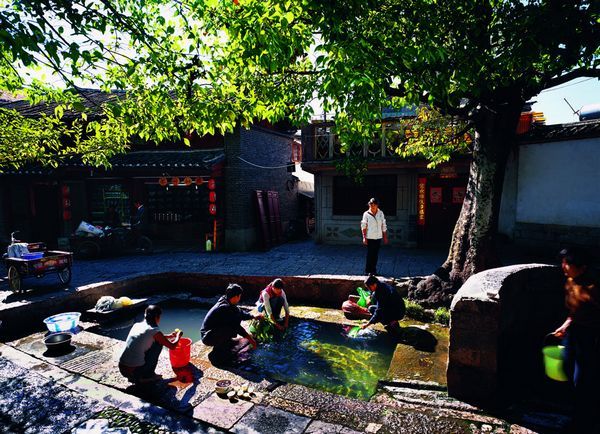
139	222
374	229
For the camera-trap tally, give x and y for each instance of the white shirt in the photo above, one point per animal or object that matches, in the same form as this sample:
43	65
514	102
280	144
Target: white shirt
139	340
375	224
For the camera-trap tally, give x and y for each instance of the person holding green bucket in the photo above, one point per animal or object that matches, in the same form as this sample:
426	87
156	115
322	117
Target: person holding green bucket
581	338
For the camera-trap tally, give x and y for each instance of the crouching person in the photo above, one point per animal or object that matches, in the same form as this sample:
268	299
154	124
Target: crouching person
271	301
143	346
387	305
222	325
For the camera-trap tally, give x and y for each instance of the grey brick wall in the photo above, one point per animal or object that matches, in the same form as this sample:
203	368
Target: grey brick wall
257	147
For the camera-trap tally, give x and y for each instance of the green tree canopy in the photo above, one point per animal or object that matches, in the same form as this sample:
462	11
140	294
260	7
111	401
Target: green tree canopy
209	65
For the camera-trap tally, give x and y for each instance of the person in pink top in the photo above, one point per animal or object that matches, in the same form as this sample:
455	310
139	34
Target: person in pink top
272	299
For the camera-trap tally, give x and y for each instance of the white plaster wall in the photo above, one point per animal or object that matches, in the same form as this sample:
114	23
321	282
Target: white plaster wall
558	183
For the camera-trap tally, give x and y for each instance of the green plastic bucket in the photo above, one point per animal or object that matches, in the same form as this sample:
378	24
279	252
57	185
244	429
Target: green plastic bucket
553	362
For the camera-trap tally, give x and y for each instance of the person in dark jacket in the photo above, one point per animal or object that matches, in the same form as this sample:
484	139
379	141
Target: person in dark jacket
386	305
222	325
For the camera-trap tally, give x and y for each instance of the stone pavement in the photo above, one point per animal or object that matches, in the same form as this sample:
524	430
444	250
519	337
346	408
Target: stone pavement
291	259
42	394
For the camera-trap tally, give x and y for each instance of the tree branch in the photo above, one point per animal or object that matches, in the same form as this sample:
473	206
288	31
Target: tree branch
581	72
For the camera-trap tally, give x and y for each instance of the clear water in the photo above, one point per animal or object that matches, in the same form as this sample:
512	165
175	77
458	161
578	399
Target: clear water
184	316
312	353
322	356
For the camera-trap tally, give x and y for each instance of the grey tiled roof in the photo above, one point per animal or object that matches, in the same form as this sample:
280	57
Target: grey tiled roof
92	100
169	160
204	159
559	132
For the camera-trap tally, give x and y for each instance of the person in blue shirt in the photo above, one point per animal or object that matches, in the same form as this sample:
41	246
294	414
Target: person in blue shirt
386	305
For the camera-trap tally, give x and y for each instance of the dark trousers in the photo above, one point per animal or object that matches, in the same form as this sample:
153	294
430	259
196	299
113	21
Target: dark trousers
372	255
147	369
223	343
276	306
582	364
219	338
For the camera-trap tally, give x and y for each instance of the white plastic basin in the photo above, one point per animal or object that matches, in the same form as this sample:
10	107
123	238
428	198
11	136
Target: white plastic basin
62	322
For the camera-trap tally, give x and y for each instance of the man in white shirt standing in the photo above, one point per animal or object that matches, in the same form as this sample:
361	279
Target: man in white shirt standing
373	228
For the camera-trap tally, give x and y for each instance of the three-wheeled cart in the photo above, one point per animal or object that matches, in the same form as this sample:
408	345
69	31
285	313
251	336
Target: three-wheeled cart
38	262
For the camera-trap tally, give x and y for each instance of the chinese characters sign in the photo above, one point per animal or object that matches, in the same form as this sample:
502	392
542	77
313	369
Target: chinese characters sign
421	201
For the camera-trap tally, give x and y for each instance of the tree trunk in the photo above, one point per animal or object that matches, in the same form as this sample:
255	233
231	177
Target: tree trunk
472	248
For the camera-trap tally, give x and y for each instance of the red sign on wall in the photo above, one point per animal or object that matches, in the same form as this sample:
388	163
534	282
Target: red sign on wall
458	194
435	194
422	186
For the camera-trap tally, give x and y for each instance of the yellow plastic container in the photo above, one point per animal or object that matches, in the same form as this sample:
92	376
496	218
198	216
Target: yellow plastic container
553	362
126	301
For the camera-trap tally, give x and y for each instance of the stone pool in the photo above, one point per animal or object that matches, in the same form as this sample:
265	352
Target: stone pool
87	375
311	353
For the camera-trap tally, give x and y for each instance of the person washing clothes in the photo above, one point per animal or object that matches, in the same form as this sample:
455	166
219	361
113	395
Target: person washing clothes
387	305
143	346
272	299
223	323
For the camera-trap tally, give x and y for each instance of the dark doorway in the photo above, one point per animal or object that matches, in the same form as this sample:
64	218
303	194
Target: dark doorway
444	198
45	211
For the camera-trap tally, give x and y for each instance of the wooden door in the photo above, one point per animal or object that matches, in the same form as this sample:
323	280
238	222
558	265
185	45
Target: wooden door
263	222
274	219
46	214
443	204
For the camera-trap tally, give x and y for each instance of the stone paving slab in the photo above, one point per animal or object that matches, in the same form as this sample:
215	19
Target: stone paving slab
221	412
269	420
320	427
31	403
79	386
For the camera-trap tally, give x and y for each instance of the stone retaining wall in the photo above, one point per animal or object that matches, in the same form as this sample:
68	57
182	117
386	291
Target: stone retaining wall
21	317
499	318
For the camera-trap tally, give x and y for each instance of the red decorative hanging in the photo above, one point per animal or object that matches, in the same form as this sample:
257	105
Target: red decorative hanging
175	181
199	181
66	214
65	190
187	181
212	197
211	184
163	182
212	209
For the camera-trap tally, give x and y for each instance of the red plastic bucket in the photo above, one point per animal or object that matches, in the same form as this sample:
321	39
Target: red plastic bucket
180	355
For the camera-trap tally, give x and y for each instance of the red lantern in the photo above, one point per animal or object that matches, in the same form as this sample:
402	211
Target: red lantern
212	197
187	181
175	181
66	203
212	209
211	184
163	182
199	181
66	214
65	190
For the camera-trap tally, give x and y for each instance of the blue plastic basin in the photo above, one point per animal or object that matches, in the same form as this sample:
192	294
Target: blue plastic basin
62	322
32	255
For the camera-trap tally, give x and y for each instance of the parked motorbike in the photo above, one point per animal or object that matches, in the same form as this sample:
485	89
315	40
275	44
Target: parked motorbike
113	241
